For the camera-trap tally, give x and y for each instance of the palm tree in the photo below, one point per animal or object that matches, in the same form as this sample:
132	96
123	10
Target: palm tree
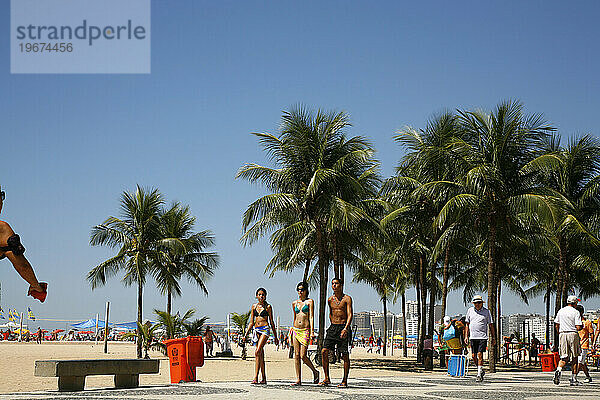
318	182
495	190
181	253
148	339
134	234
195	327
240	321
174	324
573	172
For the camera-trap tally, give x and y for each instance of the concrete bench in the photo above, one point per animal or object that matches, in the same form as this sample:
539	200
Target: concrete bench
71	373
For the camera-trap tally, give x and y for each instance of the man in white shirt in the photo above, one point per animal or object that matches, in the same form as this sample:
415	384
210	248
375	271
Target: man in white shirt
477	320
568	322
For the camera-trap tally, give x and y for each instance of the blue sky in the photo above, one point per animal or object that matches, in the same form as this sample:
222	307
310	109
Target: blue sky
220	70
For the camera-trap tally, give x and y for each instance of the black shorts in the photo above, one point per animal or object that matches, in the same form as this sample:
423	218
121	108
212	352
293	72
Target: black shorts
333	339
478	345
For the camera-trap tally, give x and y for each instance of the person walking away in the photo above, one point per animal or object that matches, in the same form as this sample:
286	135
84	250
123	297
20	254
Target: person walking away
586	334
209	338
303	315
477	321
379	341
38	337
370	349
534	348
11	248
568	322
451	335
428	353
338	335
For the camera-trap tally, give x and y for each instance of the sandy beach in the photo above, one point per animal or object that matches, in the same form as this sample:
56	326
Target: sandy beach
17	362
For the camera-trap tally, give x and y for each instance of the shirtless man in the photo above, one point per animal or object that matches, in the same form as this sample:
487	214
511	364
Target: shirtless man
11	248
208	340
338	334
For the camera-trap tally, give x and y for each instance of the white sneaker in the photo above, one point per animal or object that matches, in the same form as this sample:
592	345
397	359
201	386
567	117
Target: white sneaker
574	382
588	380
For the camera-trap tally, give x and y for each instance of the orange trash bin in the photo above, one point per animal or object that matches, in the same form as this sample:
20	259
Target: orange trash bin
547	361
179	368
195	351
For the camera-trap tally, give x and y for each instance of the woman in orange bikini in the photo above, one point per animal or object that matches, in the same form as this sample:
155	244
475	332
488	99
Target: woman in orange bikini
303	331
261	315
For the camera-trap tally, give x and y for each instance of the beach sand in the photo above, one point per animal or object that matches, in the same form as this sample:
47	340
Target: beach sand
17	362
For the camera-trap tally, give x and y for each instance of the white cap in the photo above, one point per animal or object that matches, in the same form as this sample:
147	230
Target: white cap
477	298
572	300
446	320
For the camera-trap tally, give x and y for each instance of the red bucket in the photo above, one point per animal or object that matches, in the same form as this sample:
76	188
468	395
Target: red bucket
547	361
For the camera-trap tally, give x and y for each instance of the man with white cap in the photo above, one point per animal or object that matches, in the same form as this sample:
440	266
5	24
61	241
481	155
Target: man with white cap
568	322
477	320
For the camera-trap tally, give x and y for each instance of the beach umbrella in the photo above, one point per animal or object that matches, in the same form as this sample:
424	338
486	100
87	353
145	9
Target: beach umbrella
23	330
58	330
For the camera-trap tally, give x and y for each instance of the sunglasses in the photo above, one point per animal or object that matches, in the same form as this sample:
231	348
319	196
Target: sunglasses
2	195
300	289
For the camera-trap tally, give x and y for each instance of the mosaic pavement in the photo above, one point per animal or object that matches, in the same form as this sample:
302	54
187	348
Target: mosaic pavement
504	385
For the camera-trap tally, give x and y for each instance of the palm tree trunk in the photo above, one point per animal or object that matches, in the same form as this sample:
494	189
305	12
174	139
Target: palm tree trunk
419	319
565	287
139	320
559	282
445	280
547	299
492	282
497	321
432	293
404	315
336	268
422	268
444	297
306	270
169	298
431	316
385	336
322	285
342	273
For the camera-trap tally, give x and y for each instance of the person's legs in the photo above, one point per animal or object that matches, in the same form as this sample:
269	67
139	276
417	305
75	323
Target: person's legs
297	361
325	362
346	358
260	358
583	363
309	364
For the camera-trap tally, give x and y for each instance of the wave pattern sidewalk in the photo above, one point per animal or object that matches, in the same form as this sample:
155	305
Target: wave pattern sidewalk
505	385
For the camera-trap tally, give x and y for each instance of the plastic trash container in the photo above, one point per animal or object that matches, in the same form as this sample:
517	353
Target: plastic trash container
179	367
195	351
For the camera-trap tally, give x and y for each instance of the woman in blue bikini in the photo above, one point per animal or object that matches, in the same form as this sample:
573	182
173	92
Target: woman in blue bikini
261	315
303	331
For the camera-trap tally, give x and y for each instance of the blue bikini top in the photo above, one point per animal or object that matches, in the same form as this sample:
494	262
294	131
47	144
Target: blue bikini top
305	309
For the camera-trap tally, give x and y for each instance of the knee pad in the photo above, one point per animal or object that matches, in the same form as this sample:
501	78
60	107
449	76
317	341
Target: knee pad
14	245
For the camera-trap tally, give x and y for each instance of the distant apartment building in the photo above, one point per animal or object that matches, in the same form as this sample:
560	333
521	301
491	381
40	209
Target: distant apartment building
524	325
593	315
371	322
